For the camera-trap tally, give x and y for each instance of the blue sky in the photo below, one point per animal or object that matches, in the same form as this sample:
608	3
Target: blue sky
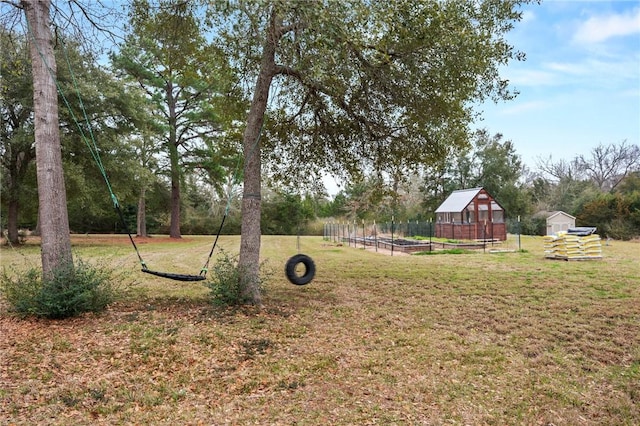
580	84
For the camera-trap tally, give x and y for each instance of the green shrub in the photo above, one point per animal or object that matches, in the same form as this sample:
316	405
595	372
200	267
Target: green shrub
530	226
70	291
619	229
226	282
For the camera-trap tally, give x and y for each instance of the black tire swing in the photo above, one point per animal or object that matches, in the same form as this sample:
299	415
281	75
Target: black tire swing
309	269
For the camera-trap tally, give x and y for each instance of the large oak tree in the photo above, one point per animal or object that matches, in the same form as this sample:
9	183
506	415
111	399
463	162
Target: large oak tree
358	85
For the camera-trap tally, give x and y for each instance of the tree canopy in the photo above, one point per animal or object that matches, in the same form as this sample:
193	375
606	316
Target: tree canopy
358	86
185	78
491	163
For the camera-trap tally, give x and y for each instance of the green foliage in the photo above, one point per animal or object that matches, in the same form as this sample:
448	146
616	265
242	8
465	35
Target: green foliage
370	198
226	282
285	214
16	131
69	291
109	108
615	215
347	95
191	94
334	208
499	169
529	225
620	229
111	112
630	184
492	163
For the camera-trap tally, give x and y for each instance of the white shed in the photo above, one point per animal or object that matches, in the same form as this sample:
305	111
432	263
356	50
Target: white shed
559	221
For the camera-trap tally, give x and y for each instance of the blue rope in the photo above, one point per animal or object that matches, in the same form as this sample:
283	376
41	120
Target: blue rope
93	148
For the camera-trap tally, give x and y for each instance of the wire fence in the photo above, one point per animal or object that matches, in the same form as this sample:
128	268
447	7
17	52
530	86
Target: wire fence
337	231
391	233
416	228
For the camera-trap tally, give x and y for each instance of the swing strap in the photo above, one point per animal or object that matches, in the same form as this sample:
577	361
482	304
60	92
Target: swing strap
89	139
205	267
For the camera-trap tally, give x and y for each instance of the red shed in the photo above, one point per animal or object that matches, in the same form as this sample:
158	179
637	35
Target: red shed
471	214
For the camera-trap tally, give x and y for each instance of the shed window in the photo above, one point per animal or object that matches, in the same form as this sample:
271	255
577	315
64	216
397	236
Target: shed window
470	216
497	214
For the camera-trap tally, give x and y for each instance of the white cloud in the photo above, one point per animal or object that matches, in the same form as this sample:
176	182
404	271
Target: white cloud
528	16
600	28
531	77
567	68
597	73
524	107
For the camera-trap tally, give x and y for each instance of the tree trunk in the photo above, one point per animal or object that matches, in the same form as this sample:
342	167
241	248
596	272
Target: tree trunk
249	261
52	198
36	232
13	205
12	221
142	214
174	227
17	169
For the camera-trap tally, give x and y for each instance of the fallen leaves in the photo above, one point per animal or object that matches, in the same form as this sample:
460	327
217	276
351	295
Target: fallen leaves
428	341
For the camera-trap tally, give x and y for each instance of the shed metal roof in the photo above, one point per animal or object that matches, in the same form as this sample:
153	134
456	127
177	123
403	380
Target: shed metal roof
458	200
560	213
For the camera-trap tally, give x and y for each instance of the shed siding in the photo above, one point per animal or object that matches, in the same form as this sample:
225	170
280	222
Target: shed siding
560	221
470	214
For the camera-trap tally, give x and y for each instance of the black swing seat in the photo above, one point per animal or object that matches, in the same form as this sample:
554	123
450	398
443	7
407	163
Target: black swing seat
176	277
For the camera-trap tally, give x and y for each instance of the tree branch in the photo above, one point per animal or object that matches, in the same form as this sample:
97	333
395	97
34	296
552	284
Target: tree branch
15	4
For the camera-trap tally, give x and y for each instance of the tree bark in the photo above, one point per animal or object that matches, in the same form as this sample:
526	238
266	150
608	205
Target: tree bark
52	197
12	221
13	204
174	227
18	165
249	260
174	159
142	214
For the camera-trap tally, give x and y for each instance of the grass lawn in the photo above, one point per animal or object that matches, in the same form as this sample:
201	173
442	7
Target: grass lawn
475	338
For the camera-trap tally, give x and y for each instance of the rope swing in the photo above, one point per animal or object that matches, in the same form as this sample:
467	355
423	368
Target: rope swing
91	144
90	141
